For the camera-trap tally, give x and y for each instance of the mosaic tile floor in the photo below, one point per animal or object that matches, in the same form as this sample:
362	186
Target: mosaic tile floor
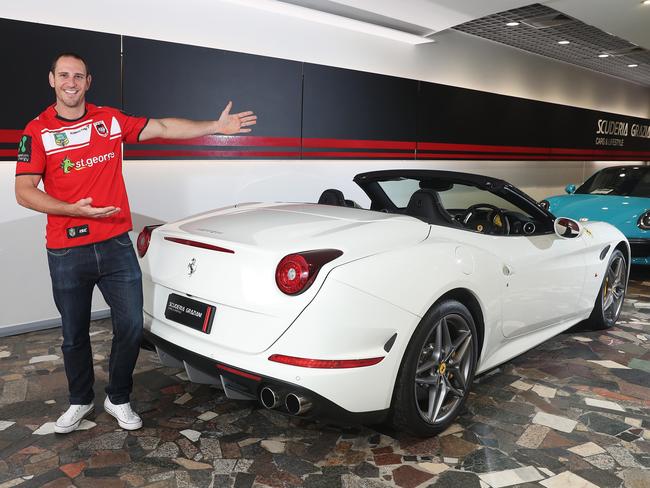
573	412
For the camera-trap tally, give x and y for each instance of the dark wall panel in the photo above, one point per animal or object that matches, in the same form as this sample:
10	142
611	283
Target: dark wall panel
305	110
459	115
342	105
458	123
578	127
163	79
26	58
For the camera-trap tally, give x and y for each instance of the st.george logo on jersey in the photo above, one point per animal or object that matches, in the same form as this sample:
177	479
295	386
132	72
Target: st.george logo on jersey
101	129
61	139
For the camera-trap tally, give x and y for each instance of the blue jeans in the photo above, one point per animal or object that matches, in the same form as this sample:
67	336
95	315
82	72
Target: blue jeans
113	267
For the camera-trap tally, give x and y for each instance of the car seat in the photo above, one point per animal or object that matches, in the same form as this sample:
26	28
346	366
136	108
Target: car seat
332	196
425	205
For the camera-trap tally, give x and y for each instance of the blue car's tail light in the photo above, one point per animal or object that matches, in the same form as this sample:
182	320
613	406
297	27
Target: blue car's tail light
644	221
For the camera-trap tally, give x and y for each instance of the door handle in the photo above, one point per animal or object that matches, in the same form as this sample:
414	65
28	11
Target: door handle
507	270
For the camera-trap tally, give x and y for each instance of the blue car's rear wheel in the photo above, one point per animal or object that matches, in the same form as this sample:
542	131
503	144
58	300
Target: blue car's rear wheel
437	370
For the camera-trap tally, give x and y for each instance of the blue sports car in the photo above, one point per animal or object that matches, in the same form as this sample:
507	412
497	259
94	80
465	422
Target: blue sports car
619	195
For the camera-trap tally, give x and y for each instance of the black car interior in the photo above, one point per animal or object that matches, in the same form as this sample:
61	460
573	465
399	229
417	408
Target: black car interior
426	204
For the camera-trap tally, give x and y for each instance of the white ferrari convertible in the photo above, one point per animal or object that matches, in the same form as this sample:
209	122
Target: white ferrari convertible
334	311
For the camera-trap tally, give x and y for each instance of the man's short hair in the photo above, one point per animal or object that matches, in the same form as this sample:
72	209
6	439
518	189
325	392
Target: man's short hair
69	55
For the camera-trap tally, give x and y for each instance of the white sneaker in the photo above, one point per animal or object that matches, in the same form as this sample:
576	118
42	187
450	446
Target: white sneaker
72	417
126	417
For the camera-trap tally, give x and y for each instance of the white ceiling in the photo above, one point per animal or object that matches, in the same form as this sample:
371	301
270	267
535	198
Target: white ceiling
627	19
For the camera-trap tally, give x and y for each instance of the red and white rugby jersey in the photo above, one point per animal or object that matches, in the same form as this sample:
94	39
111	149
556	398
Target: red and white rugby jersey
78	159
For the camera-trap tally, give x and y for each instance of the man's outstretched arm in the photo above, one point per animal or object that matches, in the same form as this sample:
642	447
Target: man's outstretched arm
172	128
29	195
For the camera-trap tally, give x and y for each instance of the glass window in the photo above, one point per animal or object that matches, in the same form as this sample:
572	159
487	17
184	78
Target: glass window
468	207
399	191
633	181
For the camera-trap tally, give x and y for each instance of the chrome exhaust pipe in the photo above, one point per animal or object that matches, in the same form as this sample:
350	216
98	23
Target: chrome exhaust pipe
296	404
269	398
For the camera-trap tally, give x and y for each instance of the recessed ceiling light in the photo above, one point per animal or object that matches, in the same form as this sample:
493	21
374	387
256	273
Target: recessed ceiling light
632	65
563	42
646	2
512	24
603	55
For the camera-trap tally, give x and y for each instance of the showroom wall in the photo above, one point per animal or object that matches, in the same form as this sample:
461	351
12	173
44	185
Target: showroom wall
162	190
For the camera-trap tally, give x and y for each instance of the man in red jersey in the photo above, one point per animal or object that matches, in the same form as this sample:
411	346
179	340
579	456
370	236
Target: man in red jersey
76	149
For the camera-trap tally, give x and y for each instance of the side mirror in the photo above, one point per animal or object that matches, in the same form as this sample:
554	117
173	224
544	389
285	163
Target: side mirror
545	204
567	228
570	188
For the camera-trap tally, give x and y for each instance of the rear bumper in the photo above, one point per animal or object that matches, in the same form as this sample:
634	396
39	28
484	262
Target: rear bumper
246	385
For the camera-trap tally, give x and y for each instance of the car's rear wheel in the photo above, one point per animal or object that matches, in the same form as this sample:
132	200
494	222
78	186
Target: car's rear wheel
610	298
437	370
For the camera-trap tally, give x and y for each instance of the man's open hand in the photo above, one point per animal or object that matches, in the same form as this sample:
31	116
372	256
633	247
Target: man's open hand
84	208
236	123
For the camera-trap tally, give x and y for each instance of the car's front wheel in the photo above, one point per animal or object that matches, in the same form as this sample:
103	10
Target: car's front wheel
610	298
437	370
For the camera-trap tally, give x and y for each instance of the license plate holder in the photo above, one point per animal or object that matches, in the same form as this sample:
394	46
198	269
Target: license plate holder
190	313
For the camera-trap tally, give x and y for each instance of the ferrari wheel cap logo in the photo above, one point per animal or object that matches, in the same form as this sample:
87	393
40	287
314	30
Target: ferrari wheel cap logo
442	368
191	267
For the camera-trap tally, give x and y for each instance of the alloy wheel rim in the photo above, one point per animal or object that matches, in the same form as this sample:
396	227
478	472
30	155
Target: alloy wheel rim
613	291
443	369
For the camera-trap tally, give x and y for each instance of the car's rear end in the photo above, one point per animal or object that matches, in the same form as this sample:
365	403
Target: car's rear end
243	297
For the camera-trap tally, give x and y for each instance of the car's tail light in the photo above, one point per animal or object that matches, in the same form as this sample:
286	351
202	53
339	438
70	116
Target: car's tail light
644	221
296	272
324	363
144	238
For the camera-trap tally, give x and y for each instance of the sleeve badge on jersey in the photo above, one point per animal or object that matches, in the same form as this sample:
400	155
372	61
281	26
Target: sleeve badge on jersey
25	149
101	129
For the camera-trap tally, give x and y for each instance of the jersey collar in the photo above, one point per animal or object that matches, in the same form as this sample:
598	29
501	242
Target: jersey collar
57	116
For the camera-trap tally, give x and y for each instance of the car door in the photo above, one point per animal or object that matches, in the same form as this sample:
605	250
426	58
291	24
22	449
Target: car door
542	274
543	278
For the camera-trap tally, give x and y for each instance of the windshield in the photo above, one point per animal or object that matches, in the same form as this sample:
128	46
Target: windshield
633	181
452	195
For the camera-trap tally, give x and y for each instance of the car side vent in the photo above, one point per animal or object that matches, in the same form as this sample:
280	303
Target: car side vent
554	19
389	343
604	252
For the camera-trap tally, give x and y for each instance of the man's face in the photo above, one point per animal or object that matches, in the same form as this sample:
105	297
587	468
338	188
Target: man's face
70	82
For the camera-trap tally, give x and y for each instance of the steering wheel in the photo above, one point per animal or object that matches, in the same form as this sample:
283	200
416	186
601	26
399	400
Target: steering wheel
494	222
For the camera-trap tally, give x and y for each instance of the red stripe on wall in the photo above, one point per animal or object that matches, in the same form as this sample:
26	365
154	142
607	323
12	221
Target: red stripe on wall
357	155
219	140
599	152
138	153
521	157
526	150
357	144
10	135
441	146
456	151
